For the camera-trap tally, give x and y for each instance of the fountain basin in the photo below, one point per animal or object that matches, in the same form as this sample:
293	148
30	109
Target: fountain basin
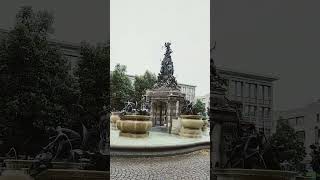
136	126
191	126
114	118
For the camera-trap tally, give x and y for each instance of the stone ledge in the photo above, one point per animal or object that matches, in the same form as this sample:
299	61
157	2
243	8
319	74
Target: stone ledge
157	151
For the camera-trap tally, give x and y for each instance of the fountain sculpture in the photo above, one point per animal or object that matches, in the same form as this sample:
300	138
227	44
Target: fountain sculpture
134	122
165	98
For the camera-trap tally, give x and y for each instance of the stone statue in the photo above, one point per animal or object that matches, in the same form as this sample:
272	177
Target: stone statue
165	77
218	81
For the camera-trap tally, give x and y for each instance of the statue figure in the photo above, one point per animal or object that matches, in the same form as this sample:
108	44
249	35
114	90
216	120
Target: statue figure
165	77
218	81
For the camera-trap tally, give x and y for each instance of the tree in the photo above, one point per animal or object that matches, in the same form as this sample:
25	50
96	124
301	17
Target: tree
94	79
121	88
37	89
143	83
199	107
288	146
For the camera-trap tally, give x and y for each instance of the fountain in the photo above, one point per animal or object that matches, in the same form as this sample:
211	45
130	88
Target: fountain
68	155
140	133
191	122
165	98
133	122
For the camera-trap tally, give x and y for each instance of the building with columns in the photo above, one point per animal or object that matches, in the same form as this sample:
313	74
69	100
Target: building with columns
305	121
255	91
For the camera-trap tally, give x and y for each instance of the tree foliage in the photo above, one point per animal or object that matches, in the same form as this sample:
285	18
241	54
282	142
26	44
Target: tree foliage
121	88
94	78
199	107
37	89
143	83
288	146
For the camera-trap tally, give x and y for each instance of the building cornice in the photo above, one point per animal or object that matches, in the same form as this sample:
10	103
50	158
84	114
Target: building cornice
228	71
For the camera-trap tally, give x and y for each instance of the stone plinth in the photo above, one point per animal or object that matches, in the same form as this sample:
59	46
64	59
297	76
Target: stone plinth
20	164
135	126
113	119
191	126
67	174
253	174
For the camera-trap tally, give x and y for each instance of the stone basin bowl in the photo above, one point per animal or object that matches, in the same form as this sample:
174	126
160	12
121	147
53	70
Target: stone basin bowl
134	125
114	117
191	121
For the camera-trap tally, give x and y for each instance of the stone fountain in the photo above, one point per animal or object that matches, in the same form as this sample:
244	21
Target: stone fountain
165	98
191	122
134	123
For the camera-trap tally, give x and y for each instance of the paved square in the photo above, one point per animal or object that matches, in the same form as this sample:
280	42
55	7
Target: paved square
190	166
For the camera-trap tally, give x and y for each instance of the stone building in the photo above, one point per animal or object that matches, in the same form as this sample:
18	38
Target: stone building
255	91
70	50
305	121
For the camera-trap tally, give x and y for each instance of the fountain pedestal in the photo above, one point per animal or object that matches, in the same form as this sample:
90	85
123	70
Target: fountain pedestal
191	126
113	119
136	126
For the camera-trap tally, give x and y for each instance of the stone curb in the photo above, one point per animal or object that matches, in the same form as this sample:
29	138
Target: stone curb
157	151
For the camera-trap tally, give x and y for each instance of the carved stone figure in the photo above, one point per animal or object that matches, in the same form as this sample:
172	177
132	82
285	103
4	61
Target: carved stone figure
165	77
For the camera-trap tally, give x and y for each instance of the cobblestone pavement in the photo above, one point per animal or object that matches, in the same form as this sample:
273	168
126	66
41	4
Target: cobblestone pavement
190	166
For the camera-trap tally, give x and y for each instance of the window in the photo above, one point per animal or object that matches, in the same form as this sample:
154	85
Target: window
253	91
239	88
318	117
267	112
232	88
300	120
260	112
269	92
301	135
253	110
260	92
246	110
246	90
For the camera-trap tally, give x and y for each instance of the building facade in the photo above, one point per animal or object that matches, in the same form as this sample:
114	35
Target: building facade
189	91
305	121
71	51
255	91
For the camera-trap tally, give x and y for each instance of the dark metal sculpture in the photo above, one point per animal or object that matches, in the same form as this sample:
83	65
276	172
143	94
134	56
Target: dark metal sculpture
131	108
315	162
66	144
165	77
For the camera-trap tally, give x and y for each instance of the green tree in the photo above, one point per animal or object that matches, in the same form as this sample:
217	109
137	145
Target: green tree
199	107
143	83
289	146
94	78
37	89
121	88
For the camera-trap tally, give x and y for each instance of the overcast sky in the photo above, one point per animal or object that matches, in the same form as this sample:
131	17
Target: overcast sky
140	28
279	37
271	37
75	20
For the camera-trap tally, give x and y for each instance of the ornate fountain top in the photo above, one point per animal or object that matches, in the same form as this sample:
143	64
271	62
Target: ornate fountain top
165	77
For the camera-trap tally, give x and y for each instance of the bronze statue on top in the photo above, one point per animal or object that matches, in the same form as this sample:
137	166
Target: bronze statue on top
165	77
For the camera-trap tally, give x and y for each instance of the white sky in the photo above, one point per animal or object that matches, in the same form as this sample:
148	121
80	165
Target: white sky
139	29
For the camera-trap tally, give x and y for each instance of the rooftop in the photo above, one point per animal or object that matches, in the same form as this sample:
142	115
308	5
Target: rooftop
264	77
